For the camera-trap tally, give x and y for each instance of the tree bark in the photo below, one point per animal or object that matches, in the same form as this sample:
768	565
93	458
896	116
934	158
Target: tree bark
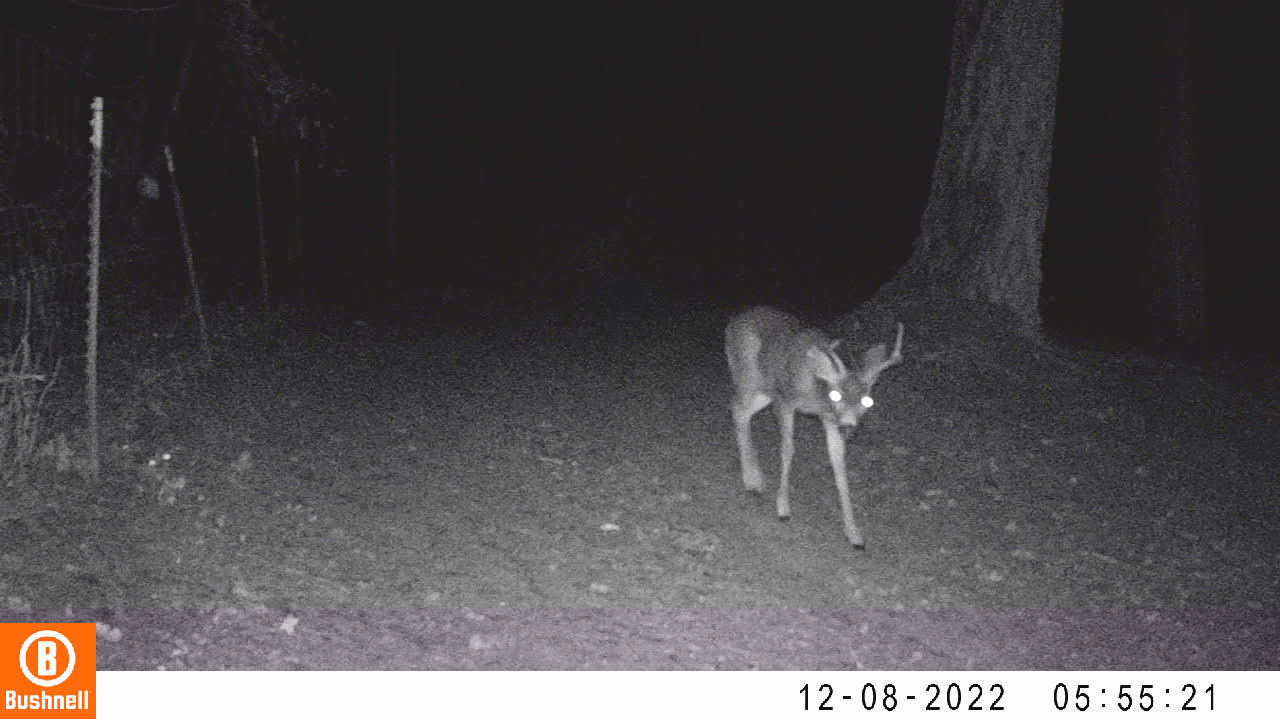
980	236
1175	284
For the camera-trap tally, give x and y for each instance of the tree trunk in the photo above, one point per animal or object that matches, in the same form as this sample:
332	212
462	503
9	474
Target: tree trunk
391	263
980	237
1175	284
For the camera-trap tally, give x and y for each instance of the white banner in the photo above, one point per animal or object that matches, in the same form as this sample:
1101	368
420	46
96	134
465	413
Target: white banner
736	695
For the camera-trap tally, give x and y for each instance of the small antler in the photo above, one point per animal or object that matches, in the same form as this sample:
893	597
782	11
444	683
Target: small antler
896	356
875	362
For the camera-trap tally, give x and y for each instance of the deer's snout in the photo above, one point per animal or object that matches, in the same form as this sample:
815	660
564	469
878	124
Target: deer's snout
847	419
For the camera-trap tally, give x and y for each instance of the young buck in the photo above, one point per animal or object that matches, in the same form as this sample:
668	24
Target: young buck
774	359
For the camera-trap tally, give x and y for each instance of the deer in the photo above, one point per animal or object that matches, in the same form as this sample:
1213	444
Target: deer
776	359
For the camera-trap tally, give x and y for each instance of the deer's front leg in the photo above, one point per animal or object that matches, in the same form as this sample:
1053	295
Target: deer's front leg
835	452
787	448
743	410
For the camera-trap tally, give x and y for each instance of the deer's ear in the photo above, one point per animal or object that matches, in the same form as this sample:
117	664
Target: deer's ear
874	355
872	363
834	344
825	364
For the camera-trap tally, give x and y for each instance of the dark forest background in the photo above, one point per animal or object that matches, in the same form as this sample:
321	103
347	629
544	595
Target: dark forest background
741	152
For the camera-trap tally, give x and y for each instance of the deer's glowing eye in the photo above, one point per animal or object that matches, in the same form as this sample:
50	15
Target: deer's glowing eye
834	396
867	401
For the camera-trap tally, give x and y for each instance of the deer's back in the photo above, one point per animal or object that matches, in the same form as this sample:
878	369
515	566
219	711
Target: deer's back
767	349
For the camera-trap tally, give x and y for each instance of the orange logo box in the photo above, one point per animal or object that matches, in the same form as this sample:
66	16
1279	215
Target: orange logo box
48	670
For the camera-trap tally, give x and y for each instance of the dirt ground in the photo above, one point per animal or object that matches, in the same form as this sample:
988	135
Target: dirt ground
561	491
